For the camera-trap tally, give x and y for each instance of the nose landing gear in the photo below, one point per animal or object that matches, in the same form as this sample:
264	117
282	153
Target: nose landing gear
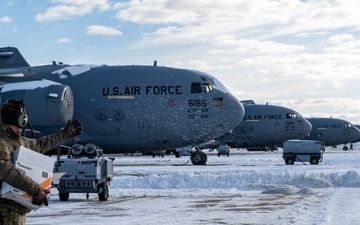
198	157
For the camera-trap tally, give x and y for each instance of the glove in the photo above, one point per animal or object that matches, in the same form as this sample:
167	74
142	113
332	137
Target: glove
73	129
40	197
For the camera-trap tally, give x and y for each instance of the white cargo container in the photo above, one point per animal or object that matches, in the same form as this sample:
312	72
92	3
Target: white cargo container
302	151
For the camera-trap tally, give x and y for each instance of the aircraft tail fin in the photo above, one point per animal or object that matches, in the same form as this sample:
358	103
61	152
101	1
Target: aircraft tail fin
10	57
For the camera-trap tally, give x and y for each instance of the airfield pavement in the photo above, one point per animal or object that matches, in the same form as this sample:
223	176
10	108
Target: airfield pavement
244	188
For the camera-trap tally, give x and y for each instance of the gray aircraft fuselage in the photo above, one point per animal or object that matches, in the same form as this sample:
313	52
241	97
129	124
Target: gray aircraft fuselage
332	131
266	126
358	139
130	108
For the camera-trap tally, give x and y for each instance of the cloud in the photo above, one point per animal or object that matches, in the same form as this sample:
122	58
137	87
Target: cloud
287	49
340	107
317	16
102	30
337	84
341	38
199	65
64	40
158	12
343	43
253	46
185	12
5	19
309	34
71	9
190	21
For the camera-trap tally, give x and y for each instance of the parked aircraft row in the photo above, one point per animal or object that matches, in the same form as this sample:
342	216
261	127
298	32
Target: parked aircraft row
266	127
126	109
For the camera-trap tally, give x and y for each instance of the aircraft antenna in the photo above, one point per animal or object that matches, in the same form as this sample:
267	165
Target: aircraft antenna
155	63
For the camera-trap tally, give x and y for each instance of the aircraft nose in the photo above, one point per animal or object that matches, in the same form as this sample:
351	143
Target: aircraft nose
234	111
355	132
307	126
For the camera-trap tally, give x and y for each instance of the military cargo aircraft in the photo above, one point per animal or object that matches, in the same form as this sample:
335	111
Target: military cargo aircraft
333	131
358	139
265	127
123	109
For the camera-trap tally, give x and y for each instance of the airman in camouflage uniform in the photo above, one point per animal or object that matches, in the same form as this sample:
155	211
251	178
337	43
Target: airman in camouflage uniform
14	118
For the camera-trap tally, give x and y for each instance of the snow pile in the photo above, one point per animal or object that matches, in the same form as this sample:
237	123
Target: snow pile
226	176
75	70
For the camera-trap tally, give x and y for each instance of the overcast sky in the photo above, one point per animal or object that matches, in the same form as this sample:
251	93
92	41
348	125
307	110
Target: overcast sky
300	54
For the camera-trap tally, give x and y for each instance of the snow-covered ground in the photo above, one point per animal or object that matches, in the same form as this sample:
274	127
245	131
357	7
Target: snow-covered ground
244	188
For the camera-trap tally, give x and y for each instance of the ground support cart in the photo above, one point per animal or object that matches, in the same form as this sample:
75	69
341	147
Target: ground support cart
223	150
302	151
86	171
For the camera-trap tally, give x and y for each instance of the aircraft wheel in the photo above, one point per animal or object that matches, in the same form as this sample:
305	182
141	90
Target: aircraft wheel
168	152
289	161
177	154
314	161
64	196
345	148
198	158
103	191
218	154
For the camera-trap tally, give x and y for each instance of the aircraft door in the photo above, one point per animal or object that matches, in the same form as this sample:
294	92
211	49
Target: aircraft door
143	128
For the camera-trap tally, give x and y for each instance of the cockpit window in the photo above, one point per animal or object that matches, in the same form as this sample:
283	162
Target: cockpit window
197	87
293	115
207	87
290	115
219	86
347	125
216	84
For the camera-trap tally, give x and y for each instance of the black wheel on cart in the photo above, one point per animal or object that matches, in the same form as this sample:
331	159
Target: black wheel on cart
103	191
64	196
314	161
289	161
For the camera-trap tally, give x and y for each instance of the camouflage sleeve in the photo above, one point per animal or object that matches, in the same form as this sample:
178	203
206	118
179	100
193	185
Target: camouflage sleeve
45	143
14	176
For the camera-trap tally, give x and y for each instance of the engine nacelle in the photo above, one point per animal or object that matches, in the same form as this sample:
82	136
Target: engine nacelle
46	102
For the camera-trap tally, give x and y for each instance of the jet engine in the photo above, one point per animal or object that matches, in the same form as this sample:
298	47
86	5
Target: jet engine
46	102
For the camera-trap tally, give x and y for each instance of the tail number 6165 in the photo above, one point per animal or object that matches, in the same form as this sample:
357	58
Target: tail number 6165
197	103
